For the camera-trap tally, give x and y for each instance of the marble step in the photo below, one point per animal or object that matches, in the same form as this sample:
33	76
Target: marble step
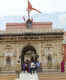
7	76
52	76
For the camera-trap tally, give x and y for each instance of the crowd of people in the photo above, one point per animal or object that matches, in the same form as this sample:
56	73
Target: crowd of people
31	66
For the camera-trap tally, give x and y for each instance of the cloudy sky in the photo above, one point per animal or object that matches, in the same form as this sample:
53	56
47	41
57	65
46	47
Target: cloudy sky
54	9
18	7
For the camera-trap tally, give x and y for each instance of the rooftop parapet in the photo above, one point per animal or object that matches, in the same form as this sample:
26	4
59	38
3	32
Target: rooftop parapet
34	25
37	27
31	31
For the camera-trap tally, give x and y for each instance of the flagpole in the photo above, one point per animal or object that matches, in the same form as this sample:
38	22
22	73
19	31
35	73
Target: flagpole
28	11
27	8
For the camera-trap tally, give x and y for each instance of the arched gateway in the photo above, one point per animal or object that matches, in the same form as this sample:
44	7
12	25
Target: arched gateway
28	52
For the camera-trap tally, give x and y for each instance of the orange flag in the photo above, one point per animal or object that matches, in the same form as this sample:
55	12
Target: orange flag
30	8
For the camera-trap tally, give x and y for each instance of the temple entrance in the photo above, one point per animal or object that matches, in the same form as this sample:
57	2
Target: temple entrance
27	53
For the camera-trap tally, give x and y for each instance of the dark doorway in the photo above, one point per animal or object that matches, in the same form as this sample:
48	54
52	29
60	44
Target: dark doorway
28	51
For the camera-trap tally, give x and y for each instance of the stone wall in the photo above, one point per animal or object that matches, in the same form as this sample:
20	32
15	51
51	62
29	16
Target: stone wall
14	50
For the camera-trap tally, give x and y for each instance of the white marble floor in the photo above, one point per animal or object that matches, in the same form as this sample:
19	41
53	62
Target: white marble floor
28	76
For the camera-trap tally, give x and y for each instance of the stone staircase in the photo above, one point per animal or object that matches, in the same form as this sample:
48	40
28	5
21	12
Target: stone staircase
53	69
28	76
7	76
52	76
42	76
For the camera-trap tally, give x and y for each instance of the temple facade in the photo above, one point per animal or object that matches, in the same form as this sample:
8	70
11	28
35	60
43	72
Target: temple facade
21	41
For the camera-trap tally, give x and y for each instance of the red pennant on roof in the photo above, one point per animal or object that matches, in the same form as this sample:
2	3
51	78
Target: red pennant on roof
30	8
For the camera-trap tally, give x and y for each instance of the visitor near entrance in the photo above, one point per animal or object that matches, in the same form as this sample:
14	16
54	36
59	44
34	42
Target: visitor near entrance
24	67
31	66
62	66
38	66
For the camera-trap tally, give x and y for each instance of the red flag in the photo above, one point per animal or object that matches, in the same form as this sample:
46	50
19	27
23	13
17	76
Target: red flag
36	10
30	8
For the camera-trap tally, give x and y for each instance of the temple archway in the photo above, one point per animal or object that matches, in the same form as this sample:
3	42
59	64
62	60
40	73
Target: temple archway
28	52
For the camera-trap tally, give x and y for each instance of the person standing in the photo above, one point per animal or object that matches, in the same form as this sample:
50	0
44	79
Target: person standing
18	69
32	67
37	66
24	67
62	66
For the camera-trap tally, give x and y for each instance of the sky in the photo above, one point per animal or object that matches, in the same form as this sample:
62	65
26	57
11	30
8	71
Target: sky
18	7
11	10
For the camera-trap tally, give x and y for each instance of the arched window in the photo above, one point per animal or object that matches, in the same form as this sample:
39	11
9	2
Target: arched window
8	60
